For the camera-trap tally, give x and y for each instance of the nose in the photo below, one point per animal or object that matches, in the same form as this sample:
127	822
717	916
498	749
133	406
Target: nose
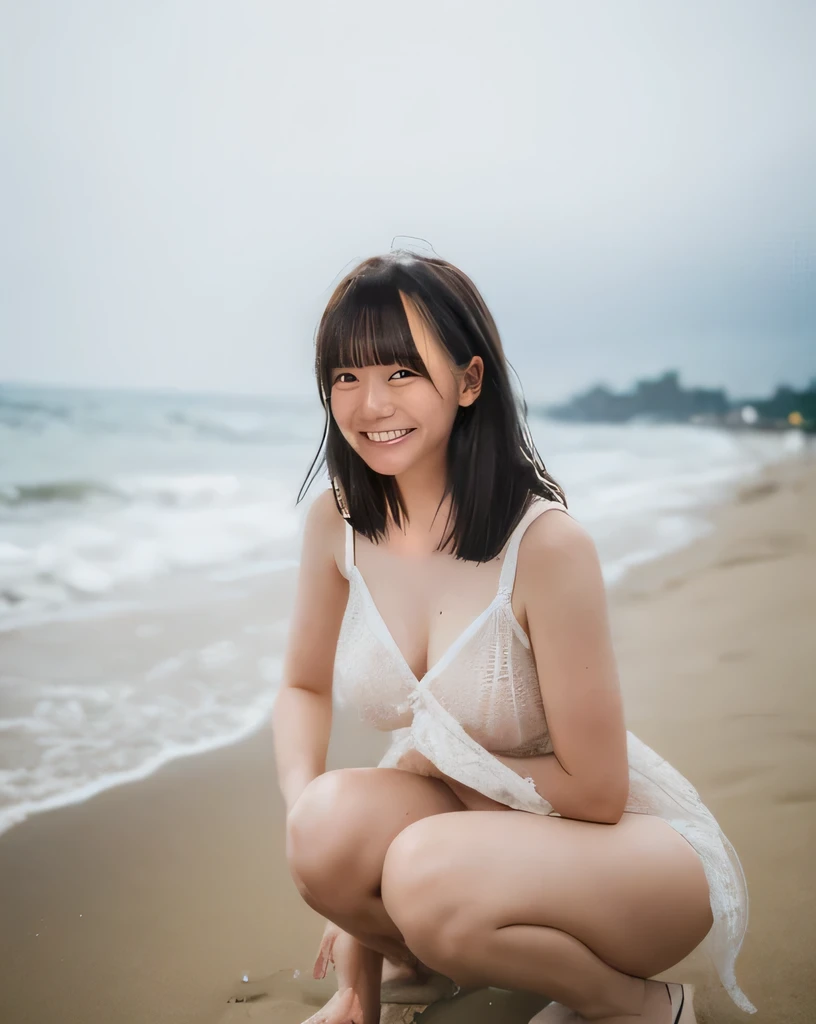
377	402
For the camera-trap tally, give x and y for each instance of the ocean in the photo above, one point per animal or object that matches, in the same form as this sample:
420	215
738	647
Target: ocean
132	522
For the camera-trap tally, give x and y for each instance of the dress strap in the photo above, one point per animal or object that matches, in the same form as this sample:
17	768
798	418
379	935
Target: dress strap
349	549
508	572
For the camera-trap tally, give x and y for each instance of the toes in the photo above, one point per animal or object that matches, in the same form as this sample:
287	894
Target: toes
344	1007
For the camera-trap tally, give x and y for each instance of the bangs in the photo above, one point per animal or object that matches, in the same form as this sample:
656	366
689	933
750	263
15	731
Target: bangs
367	327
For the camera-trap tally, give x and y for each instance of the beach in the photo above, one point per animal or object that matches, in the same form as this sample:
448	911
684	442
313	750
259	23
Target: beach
153	900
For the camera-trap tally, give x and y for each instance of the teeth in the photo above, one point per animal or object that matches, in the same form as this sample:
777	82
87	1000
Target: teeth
388	435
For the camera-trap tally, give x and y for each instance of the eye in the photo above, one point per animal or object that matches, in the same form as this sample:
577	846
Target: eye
339	378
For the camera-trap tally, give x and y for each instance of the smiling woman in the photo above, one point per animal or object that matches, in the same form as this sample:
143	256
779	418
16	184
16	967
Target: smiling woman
406	343
399	414
454	612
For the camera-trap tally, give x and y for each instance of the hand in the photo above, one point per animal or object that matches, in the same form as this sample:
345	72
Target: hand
416	763
473	800
325	953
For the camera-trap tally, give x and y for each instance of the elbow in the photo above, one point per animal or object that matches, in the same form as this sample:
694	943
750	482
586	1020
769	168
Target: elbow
608	815
609	803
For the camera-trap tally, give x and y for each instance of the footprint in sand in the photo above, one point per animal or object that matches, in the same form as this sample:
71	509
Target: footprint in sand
757	492
734	776
805	735
278	998
806	795
769	547
730	656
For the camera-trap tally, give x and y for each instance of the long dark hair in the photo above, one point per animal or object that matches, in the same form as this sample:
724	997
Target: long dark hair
494	469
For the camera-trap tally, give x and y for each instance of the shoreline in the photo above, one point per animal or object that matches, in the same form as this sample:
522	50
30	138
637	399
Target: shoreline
152	899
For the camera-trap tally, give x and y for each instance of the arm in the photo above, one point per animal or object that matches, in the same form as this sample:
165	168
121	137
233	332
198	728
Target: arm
587	775
302	717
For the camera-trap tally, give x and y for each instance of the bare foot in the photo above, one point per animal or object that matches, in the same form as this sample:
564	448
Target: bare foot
359	972
343	1008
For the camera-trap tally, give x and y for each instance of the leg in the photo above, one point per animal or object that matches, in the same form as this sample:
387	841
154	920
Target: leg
337	837
577	911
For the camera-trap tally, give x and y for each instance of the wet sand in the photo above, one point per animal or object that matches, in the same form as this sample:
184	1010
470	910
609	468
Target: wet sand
151	901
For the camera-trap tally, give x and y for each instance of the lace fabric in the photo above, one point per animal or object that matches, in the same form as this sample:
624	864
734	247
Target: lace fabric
483	696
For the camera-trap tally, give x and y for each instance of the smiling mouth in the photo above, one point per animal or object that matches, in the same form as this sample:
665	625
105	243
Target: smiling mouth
385	437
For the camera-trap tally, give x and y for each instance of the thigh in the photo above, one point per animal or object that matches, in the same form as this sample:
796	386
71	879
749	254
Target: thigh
345	820
635	892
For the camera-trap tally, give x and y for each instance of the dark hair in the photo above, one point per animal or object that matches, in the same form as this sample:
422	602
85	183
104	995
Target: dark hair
493	466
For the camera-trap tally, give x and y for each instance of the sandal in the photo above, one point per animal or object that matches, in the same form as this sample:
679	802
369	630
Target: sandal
681	997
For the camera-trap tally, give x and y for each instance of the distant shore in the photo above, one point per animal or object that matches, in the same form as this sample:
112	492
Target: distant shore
665	400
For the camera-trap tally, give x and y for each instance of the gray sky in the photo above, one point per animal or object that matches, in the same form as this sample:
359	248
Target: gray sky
629	184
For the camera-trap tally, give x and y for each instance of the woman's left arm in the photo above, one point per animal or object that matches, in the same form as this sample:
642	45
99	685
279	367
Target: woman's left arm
568	626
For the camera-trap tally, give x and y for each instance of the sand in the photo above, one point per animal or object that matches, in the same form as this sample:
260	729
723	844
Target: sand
150	902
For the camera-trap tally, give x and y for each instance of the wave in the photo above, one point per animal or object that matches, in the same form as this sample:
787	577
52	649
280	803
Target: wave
178	489
56	490
34	417
79	739
17	411
70	542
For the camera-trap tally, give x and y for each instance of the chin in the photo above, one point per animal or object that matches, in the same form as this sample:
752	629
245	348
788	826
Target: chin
386	466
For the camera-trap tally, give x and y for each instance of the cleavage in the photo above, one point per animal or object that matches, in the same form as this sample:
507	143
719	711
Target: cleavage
426	603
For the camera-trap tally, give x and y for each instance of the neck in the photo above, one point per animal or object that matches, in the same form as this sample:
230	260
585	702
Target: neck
421	488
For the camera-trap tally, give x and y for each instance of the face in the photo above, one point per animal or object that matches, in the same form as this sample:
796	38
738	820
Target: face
370	403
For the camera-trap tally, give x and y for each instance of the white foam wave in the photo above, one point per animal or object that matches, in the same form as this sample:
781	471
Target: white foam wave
168	524
85	739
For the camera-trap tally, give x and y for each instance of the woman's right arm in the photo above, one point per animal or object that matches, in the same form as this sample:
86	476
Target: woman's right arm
301	721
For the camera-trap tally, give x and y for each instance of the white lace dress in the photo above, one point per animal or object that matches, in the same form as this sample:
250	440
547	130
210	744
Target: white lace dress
484	695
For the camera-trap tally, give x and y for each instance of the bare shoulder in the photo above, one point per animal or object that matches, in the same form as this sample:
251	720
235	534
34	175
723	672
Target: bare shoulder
557	531
324	508
324	530
557	548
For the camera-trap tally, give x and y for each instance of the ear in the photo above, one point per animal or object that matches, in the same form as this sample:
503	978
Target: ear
470	383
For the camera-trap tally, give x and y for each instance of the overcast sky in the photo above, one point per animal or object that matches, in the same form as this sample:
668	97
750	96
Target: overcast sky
629	184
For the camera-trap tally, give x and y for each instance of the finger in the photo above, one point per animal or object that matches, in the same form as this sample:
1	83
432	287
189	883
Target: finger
319	968
324	956
321	964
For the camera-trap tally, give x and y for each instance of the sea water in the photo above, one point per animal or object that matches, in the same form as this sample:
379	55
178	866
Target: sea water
130	507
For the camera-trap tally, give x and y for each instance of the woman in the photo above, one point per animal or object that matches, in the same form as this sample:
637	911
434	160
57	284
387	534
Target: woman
438	599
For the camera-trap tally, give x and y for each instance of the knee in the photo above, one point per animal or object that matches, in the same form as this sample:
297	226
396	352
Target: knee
422	898
324	829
